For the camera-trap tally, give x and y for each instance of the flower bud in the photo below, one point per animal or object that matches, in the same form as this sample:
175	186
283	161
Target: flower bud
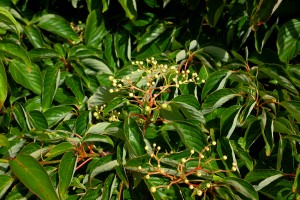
153	189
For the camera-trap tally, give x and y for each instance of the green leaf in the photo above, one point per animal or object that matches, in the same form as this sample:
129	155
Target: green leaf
38	120
96	65
191	135
5	183
59	149
16	51
51	81
81	123
134	137
266	176
129	7
100	97
215	81
242	186
38	54
8	22
288	40
263	12
215	10
122	175
106	165
59	26
33	176
189	106
66	171
217	99
153	32
57	113
108	187
242	154
267	129
293	107
279	74
4	142
229	120
3	83
98	128
34	36
296	185
95	29
115	103
74	83
31	80
19	114
217	52
98	138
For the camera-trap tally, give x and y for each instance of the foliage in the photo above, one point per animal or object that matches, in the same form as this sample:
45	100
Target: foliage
136	100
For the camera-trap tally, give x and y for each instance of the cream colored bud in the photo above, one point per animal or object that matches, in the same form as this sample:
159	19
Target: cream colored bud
199	174
203	81
177	85
214	143
183	160
192	151
154	145
174	79
133	62
158	148
180	82
234	164
148	84
187	71
139	168
234	169
164	105
111	78
114	84
191	187
131	94
162	171
201	155
147	176
147	108
208	185
224	157
146	148
207	148
111	90
141	62
120	85
153	189
127	77
199	193
156	76
153	83
186	181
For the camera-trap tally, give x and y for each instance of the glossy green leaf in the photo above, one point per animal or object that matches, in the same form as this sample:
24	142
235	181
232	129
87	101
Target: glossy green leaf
229	120
103	167
4	141
242	186
278	73
3	83
129	7
74	83
189	106
82	123
288	40
97	65
59	149
153	32
265	176
215	81
66	172
33	176
38	54
16	51
293	107
217	99
58	26
51	81
122	175
267	129
38	120
242	154
215	10
98	138
216	52
98	128
8	22
108	187
19	114
57	113
134	137
263	11
31	80
296	185
34	36
100	97
5	183
191	135
95	29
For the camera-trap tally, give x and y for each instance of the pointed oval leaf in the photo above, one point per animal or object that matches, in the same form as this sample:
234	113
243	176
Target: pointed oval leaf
31	80
81	123
98	138
66	171
51	81
8	22
95	29
38	120
34	36
129	8
293	107
5	183
59	26
134	137
16	51
191	135
242	186
3	83
33	176
56	114
60	149
288	43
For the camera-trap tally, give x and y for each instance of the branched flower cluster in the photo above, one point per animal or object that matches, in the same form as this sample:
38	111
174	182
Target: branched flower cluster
200	185
112	116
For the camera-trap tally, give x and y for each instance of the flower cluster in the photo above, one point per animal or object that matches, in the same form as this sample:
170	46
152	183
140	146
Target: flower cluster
197	178
111	117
